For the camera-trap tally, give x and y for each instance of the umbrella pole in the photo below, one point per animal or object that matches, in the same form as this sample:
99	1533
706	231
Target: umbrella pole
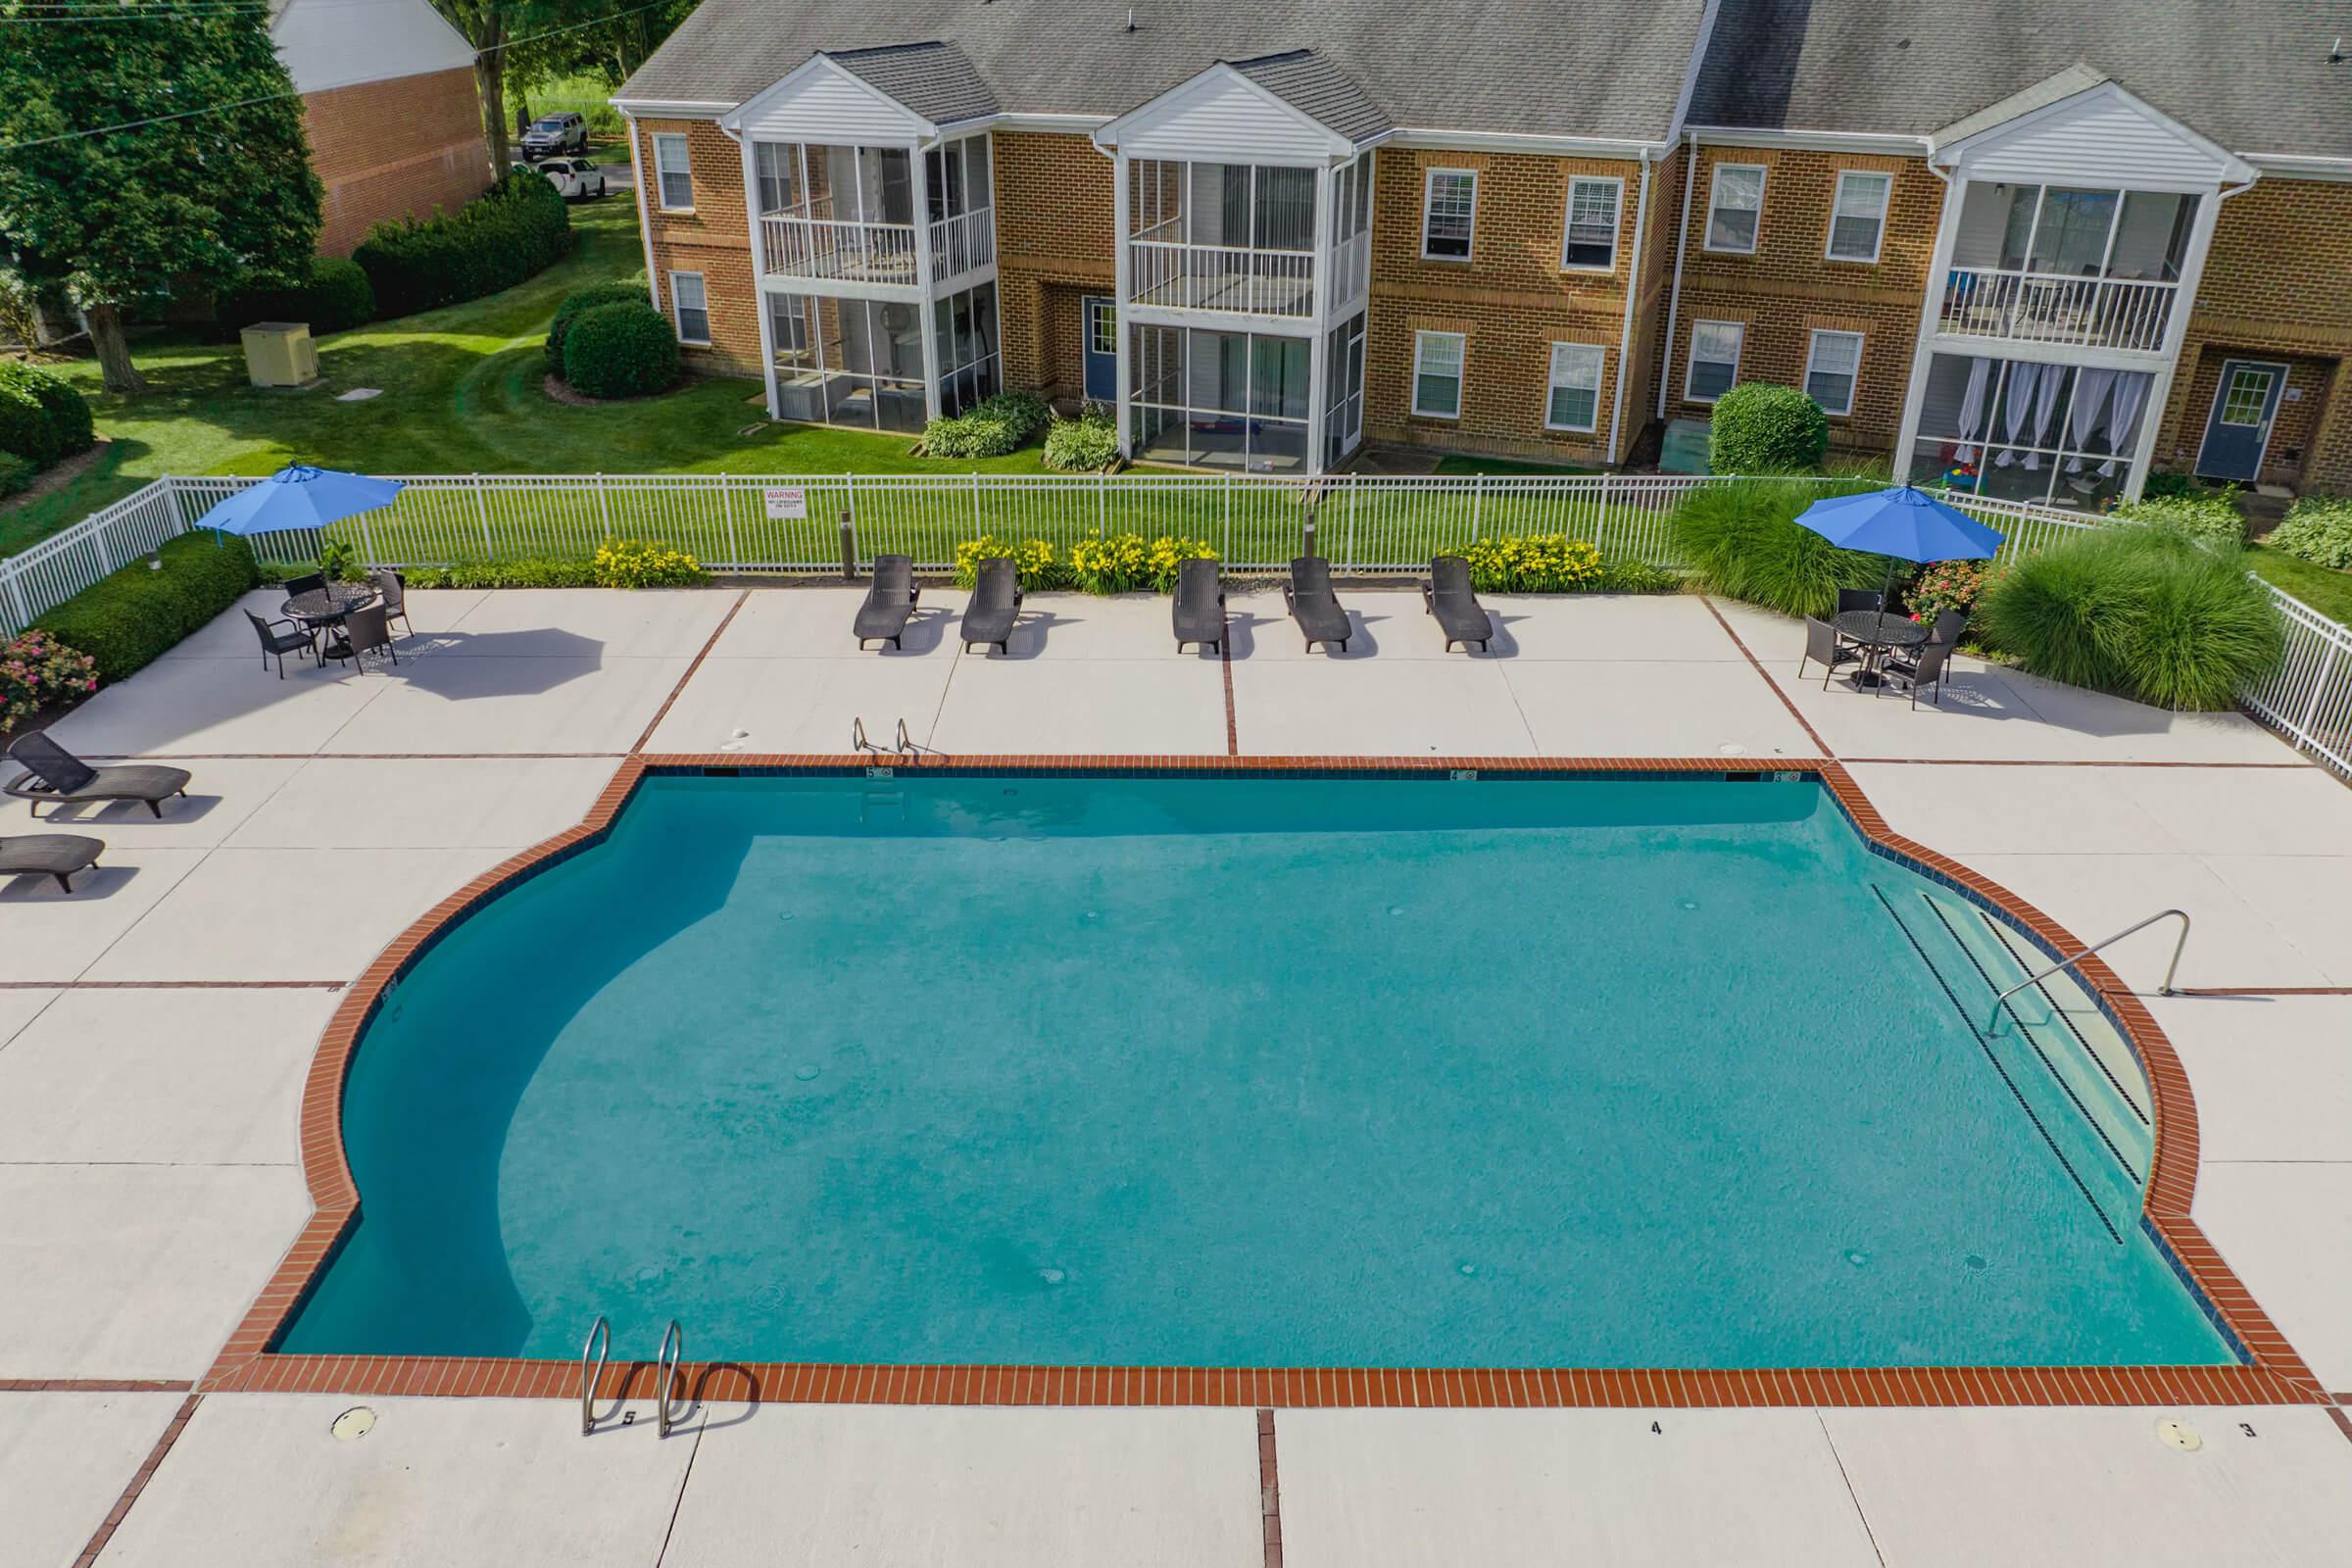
1887	593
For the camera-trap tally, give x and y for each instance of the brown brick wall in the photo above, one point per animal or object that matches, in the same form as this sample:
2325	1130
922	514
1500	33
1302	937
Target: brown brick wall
2303	411
388	150
1055	203
711	240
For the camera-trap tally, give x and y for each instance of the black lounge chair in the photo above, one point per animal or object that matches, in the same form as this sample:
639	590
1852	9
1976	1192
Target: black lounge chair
1447	596
995	606
1313	606
56	775
295	639
889	602
1823	644
56	855
1199	611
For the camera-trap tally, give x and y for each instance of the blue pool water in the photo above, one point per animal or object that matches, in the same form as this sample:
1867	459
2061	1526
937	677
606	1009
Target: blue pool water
1249	1072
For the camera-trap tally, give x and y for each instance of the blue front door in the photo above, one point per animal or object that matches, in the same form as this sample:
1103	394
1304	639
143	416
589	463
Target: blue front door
1100	326
2239	426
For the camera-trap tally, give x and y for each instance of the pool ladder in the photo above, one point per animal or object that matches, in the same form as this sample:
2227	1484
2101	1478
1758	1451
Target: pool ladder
667	1386
903	743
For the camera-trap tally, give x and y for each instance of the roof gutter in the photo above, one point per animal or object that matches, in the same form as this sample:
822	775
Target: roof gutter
1633	296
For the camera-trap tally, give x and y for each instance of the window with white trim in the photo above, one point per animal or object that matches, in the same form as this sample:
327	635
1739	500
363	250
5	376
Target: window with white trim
1714	360
1572	399
1735	207
1437	374
673	173
1448	213
1832	365
690	307
1591	244
1859	215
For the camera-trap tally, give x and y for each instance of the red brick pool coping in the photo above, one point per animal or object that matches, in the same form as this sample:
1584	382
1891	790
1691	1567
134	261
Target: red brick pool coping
2273	1374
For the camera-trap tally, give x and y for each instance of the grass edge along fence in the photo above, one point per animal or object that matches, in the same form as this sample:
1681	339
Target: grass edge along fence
1365	525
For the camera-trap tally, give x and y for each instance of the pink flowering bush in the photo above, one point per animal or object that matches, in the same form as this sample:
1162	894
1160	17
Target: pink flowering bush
1948	585
36	670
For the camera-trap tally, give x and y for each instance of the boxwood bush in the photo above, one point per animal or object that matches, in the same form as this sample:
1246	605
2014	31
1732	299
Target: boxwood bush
510	231
1740	539
336	298
585	299
622	350
131	618
1761	428
42	416
2316	530
15	474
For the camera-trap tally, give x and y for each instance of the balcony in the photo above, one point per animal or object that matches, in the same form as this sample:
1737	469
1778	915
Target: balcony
1221	277
806	241
2026	306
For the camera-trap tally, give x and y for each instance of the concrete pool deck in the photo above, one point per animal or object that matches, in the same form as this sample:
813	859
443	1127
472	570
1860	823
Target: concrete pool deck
155	1029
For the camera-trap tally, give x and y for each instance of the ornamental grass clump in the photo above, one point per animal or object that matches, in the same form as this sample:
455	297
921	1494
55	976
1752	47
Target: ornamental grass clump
1741	540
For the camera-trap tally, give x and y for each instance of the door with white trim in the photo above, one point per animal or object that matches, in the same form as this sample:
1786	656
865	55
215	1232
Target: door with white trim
2238	430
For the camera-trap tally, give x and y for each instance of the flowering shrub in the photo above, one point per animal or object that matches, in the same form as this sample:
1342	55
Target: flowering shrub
1125	562
36	670
636	564
1532	564
1032	559
1948	585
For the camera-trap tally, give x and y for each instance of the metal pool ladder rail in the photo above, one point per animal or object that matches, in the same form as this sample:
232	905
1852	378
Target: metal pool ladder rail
666	1363
598	1345
2165	990
904	744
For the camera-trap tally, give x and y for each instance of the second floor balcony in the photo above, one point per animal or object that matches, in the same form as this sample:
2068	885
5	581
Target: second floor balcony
812	240
2047	263
848	215
1240	238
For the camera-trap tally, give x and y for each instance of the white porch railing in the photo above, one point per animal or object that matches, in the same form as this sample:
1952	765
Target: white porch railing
2107	313
964	243
1363	524
1221	277
806	241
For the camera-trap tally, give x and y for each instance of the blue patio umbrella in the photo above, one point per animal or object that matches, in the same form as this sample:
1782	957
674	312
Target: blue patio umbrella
298	496
1904	524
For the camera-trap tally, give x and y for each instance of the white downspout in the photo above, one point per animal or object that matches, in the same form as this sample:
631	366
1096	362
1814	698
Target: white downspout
1931	311
2184	297
757	257
1632	293
1681	240
645	228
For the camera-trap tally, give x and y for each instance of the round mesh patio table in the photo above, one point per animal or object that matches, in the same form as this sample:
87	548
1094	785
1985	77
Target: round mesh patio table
1878	631
327	607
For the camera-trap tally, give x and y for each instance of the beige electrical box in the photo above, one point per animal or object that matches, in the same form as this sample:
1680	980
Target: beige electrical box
280	354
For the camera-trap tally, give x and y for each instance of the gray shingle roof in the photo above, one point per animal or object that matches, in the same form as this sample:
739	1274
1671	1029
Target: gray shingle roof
934	79
1516	66
2251	75
1311	84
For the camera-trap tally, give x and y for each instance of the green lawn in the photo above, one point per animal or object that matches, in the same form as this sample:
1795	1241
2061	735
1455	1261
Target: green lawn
2322	588
461	394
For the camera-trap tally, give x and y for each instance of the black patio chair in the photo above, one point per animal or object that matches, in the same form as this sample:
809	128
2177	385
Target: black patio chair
996	604
1313	606
1447	596
1199	611
296	587
890	601
1853	599
368	631
295	639
1822	644
56	855
392	589
55	775
1925	668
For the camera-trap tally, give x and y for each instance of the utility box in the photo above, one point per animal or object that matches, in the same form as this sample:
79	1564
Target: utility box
1684	450
280	354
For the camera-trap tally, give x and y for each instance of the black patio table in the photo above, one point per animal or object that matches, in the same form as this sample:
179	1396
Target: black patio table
1878	631
327	607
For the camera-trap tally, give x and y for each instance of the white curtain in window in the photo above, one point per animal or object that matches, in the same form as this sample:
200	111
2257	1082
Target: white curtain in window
1971	407
2130	391
2090	395
2045	402
2016	404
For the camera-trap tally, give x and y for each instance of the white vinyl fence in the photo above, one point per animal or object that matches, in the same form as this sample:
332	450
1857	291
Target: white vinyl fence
1363	524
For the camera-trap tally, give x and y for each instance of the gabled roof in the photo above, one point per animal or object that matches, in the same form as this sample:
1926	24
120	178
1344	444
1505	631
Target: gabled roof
1310	83
935	79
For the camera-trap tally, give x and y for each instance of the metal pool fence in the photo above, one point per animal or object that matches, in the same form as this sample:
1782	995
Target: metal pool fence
1363	524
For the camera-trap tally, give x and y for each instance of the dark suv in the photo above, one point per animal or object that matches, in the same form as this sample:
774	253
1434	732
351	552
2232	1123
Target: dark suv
550	134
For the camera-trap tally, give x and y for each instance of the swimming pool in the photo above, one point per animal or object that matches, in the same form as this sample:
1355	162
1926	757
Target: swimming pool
1246	1071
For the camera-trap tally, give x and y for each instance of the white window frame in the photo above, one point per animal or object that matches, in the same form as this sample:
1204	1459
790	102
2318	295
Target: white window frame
1706	236
685	169
1429	187
1878	238
1616	223
677	311
1692	361
1813	352
1461	374
1598	358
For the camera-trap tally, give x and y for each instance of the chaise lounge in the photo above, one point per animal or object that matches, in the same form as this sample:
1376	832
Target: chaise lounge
57	776
996	605
56	855
889	602
1199	611
1313	606
1447	596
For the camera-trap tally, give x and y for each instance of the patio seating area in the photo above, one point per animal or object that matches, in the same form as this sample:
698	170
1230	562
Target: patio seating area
159	1018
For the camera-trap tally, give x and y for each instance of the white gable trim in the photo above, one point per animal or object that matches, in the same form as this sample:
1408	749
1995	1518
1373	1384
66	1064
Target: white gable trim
821	100
2075	139
1222	113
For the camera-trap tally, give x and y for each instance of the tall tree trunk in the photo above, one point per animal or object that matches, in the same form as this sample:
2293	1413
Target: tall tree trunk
490	76
115	372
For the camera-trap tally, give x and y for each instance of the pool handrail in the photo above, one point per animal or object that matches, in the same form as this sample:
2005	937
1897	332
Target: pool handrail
1994	1024
592	1369
665	1365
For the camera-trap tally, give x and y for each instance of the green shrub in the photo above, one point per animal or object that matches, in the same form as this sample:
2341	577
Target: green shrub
2162	486
1761	428
623	350
15	474
513	230
2209	517
42	416
2318	529
336	298
1742	541
1086	443
522	574
636	564
1626	574
585	299
991	428
2146	612
131	618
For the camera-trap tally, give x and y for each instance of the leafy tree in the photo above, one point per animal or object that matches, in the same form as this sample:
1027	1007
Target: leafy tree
147	152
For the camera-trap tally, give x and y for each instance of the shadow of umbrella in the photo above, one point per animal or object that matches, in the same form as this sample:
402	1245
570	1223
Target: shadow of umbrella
462	665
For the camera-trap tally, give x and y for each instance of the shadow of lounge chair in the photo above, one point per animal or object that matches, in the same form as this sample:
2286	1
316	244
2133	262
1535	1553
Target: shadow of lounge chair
889	602
1199	611
57	776
995	606
1313	606
1447	596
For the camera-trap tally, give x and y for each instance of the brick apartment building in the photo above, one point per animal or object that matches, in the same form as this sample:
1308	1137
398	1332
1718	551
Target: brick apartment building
389	104
2040	260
